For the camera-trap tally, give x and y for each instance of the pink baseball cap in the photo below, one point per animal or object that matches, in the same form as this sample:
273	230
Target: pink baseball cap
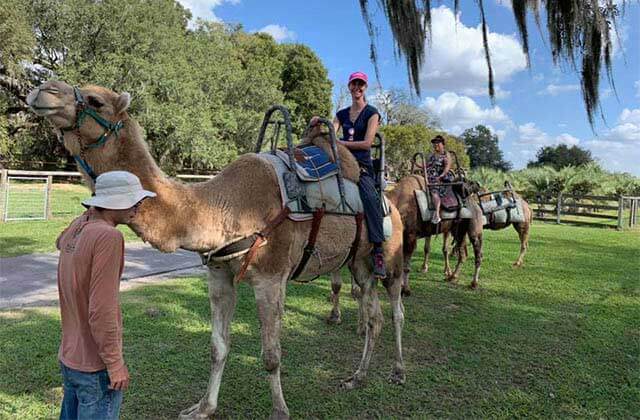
358	75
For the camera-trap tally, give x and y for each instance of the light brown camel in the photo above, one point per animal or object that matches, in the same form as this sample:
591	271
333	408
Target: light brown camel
521	227
240	201
403	198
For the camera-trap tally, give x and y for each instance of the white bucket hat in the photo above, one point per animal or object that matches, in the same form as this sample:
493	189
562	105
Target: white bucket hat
117	190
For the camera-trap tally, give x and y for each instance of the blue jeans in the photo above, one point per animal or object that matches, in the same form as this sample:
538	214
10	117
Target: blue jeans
371	204
87	396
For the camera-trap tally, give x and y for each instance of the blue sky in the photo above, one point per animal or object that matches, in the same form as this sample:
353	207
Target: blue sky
534	108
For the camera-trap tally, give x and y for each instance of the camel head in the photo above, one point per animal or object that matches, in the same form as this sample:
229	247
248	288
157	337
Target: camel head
86	115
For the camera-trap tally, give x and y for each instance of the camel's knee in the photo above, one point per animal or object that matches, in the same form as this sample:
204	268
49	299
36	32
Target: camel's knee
219	350
271	359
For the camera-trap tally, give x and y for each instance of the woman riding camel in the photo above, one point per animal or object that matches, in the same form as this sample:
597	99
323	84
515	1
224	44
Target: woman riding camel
359	124
438	167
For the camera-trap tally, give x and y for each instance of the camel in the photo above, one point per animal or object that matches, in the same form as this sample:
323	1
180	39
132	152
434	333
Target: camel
402	197
521	227
239	202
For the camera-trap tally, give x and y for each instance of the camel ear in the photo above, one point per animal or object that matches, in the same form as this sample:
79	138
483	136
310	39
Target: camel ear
122	103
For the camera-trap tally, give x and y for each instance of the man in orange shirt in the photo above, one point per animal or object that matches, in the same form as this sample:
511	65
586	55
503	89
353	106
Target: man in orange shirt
89	269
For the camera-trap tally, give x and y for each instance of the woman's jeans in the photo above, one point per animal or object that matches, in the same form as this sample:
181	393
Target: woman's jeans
87	396
371	203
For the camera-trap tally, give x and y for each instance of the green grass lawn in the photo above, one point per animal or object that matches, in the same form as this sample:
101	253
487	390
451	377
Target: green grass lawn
558	338
31	236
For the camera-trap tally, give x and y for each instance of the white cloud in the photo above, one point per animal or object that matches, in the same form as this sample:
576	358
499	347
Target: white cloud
627	130
554	90
279	33
567	139
530	135
203	9
616	156
455	60
457	113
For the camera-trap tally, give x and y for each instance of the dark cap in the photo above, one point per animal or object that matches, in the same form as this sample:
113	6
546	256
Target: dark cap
437	139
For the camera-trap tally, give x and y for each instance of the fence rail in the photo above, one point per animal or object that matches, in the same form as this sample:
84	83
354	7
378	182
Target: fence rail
587	209
18	200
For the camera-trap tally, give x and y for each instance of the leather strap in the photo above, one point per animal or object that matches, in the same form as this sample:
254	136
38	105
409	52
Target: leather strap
356	241
311	242
262	237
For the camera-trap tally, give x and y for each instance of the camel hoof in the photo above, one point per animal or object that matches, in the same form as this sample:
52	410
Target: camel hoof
405	292
451	279
473	285
425	269
195	413
279	415
397	377
517	264
351	383
334	319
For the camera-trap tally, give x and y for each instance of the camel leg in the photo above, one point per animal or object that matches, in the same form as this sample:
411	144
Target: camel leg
397	311
409	246
476	242
523	233
445	255
371	315
222	297
427	250
453	276
336	285
270	295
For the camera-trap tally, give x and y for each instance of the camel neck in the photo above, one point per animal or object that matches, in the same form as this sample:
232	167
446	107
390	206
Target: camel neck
174	218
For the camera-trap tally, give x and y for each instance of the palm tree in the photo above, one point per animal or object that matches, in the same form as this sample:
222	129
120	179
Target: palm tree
576	29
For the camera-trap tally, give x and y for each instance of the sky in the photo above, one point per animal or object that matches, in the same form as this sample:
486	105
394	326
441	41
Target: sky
535	107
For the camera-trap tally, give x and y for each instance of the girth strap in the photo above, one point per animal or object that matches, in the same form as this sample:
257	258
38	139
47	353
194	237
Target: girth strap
356	241
311	242
262	236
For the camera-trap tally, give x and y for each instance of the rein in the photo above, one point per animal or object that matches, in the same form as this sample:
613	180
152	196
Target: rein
82	111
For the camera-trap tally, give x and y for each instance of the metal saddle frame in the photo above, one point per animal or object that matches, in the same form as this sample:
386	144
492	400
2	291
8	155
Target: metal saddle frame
459	185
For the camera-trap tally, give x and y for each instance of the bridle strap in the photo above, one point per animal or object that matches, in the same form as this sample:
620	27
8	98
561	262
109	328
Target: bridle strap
82	111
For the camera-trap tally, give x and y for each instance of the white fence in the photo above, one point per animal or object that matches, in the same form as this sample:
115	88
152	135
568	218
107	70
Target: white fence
27	195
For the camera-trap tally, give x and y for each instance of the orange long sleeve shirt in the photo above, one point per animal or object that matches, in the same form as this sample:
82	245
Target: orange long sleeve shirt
89	269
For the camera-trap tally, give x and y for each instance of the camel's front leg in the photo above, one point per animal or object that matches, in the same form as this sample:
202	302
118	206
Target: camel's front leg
408	248
523	233
445	255
427	251
336	285
270	295
476	241
371	316
222	296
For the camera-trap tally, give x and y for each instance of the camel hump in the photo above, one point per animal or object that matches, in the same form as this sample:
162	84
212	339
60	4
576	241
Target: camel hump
348	163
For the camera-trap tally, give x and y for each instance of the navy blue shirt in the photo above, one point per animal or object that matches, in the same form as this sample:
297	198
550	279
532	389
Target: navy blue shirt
356	131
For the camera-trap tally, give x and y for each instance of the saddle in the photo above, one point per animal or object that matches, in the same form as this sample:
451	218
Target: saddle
311	186
501	207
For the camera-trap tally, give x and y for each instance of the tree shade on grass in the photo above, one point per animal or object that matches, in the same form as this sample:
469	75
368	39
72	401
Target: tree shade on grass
558	338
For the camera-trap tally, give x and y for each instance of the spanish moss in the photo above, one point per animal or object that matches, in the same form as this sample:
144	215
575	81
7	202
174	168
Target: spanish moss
579	34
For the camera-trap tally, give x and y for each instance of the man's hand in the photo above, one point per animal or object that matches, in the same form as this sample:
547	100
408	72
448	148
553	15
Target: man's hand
119	379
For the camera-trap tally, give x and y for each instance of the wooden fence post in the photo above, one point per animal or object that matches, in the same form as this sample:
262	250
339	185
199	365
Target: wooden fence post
4	179
620	211
559	208
47	205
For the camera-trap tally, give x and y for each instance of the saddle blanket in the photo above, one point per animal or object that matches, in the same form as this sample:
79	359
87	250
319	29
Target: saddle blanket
312	163
502	209
426	208
318	193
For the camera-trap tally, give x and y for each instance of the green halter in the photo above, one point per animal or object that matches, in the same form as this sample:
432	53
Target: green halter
82	111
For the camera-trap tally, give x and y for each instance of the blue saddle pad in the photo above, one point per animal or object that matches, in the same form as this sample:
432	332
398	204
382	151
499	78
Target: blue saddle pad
313	163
